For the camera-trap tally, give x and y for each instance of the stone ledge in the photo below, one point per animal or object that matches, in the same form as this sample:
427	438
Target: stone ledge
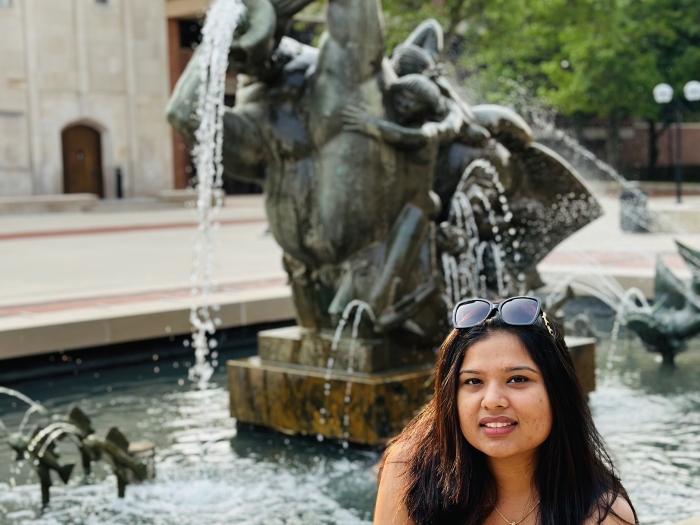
184	197
23	336
300	346
74	202
676	218
583	355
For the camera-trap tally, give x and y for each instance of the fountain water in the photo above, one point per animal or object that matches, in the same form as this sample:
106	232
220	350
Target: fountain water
466	278
222	19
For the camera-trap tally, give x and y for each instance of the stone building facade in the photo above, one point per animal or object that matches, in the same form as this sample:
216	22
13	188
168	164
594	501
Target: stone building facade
83	90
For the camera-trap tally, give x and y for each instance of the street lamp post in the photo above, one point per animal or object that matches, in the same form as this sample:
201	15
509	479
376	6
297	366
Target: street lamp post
663	94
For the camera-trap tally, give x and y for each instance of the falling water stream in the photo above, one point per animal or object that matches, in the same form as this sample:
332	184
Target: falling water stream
221	21
465	274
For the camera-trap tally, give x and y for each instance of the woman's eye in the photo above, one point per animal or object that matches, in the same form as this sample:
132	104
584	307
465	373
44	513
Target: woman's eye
472	381
518	379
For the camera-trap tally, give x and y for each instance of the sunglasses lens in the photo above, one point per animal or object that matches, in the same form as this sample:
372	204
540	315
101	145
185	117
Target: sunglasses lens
471	314
522	310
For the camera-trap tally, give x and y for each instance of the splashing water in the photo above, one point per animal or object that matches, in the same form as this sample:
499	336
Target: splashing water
465	277
360	308
351	365
52	433
34	407
217	35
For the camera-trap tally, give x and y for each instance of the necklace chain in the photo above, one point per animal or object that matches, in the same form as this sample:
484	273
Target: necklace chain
521	519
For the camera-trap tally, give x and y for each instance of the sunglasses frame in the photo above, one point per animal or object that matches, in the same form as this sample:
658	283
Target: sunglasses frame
497	307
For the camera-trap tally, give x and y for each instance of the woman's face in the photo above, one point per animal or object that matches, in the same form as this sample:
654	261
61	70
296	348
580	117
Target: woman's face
503	406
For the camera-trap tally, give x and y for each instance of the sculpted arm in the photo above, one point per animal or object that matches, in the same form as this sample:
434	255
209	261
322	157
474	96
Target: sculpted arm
357	119
243	152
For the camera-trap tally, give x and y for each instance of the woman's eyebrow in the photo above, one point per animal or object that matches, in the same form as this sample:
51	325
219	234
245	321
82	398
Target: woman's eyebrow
508	369
517	368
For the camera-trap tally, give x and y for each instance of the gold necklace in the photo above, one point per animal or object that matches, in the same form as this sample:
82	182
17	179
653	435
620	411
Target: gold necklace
521	519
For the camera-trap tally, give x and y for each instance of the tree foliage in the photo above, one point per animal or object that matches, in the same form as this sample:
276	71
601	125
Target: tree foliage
594	57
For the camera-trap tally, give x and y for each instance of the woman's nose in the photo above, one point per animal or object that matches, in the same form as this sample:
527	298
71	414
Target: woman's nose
494	396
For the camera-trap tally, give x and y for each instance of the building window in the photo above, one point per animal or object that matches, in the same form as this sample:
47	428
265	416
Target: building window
5	3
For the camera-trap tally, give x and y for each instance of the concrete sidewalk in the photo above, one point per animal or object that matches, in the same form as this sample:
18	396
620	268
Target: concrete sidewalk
76	280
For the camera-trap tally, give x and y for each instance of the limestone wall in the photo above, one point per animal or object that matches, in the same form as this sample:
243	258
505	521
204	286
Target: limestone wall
99	62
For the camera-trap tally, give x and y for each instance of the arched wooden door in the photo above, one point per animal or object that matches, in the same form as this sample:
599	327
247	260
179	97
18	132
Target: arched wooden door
82	160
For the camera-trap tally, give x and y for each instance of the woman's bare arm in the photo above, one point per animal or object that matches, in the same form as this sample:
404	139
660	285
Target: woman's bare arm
390	508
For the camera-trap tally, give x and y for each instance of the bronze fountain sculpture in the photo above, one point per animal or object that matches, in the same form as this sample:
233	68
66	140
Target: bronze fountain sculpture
675	317
361	159
130	462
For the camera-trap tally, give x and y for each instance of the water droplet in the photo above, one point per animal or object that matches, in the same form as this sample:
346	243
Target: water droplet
347	399
156	369
319	437
180	382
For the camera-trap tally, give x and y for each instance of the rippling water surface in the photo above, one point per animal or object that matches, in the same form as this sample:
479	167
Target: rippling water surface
207	473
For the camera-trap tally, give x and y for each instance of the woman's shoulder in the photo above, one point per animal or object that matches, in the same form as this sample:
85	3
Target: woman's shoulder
621	514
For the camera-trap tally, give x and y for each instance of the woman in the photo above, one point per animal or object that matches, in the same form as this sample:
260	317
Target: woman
508	437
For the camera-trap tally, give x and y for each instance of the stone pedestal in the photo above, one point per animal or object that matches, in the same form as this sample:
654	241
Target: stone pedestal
583	354
289	387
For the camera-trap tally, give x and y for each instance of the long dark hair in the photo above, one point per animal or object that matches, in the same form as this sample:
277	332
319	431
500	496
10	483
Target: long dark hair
447	481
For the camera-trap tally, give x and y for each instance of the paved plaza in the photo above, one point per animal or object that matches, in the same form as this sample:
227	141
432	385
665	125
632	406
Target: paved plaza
121	273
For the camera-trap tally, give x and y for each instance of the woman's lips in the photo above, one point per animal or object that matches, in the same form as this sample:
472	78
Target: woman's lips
497	426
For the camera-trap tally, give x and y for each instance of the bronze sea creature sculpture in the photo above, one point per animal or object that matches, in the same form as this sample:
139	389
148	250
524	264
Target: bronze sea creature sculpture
114	449
130	462
42	453
675	316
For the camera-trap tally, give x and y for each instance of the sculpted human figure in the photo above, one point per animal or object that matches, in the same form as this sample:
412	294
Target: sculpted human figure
419	118
532	178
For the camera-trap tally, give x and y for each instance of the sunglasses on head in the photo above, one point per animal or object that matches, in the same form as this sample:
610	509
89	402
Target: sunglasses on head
516	311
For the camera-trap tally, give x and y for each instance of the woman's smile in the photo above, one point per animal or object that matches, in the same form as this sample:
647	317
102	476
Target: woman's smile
497	426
